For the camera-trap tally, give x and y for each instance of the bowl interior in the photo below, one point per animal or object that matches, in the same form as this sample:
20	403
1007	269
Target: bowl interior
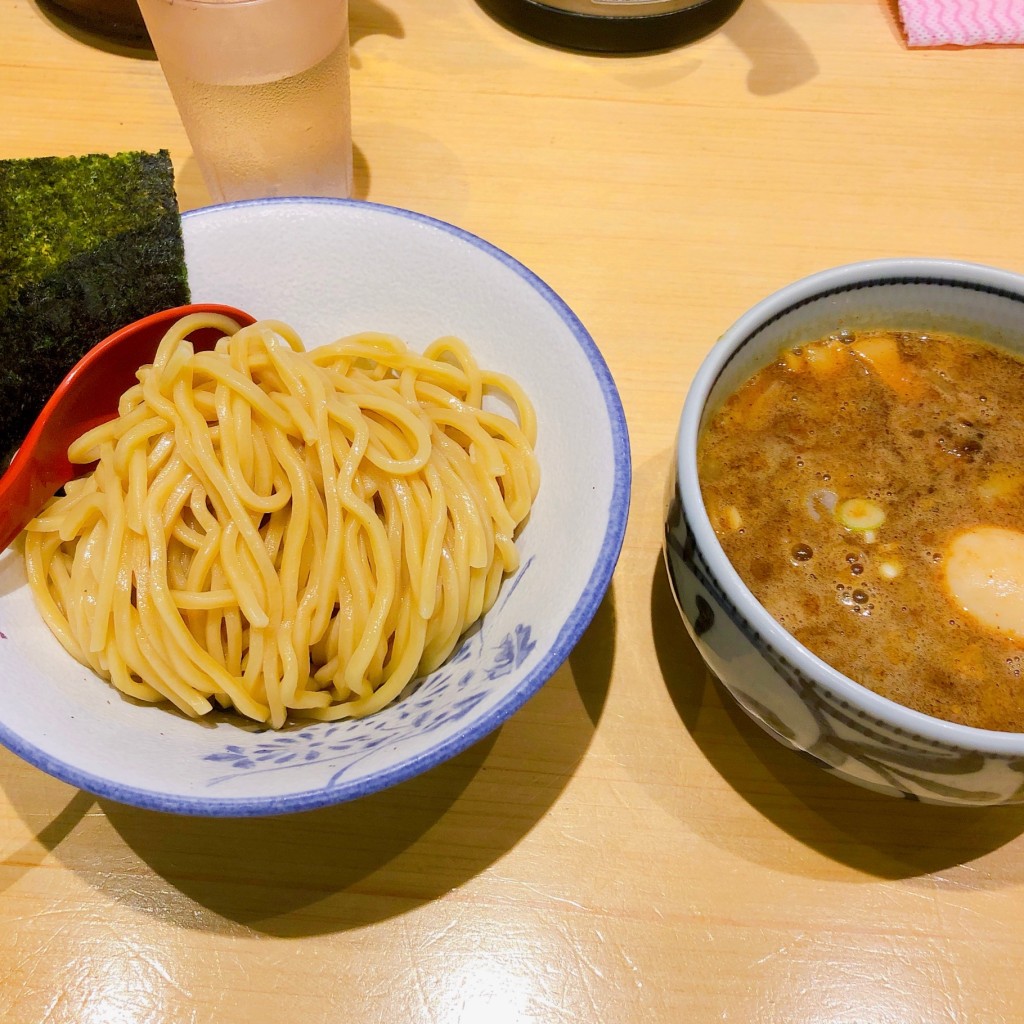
330	268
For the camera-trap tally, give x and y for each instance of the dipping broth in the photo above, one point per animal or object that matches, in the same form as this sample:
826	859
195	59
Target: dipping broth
869	490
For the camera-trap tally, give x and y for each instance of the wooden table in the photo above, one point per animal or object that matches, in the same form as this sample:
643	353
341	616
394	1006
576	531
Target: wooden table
628	847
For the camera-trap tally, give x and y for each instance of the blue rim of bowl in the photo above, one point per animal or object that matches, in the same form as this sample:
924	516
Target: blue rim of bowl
846	278
567	638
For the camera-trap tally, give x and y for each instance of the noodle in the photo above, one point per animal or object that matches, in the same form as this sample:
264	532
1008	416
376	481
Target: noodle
285	532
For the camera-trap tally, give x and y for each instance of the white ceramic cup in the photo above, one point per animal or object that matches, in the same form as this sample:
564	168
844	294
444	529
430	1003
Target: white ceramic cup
796	697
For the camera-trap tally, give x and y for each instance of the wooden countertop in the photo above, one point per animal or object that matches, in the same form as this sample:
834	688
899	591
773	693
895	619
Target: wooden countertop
628	847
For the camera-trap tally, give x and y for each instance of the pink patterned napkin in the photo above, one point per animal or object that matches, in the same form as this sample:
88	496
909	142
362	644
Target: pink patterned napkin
962	22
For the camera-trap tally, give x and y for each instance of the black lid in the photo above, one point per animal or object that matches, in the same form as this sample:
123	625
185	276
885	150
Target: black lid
612	33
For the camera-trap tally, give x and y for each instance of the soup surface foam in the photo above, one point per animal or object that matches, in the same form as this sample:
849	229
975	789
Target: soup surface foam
869	490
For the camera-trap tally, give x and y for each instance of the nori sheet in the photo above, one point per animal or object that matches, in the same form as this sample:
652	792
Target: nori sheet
87	245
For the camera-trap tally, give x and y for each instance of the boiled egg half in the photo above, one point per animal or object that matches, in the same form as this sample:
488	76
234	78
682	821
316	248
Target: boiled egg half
984	569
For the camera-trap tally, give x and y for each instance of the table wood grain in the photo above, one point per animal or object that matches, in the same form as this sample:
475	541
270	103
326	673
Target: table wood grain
628	847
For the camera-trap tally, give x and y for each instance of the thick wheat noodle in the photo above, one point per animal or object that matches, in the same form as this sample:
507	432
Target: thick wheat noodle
286	532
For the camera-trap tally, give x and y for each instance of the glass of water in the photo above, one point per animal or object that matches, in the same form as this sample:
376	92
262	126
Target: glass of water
262	88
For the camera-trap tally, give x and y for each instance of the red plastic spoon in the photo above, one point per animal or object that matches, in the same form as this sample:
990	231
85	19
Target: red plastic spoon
87	397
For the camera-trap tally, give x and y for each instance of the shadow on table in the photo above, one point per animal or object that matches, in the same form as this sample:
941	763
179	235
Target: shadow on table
880	835
345	866
779	58
891	11
370	18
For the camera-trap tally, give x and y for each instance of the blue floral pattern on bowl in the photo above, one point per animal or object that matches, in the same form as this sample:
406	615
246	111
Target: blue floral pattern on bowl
426	705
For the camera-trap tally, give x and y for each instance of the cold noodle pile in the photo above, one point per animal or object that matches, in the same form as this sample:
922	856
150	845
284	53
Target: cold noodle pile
286	532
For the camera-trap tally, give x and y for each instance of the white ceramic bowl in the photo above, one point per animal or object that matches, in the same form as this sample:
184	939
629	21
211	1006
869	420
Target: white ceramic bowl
330	268
797	698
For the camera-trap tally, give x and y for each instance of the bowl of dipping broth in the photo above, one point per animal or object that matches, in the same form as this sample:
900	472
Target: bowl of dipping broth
845	524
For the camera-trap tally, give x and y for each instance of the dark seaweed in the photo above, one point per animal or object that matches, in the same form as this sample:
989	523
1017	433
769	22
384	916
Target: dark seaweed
87	245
